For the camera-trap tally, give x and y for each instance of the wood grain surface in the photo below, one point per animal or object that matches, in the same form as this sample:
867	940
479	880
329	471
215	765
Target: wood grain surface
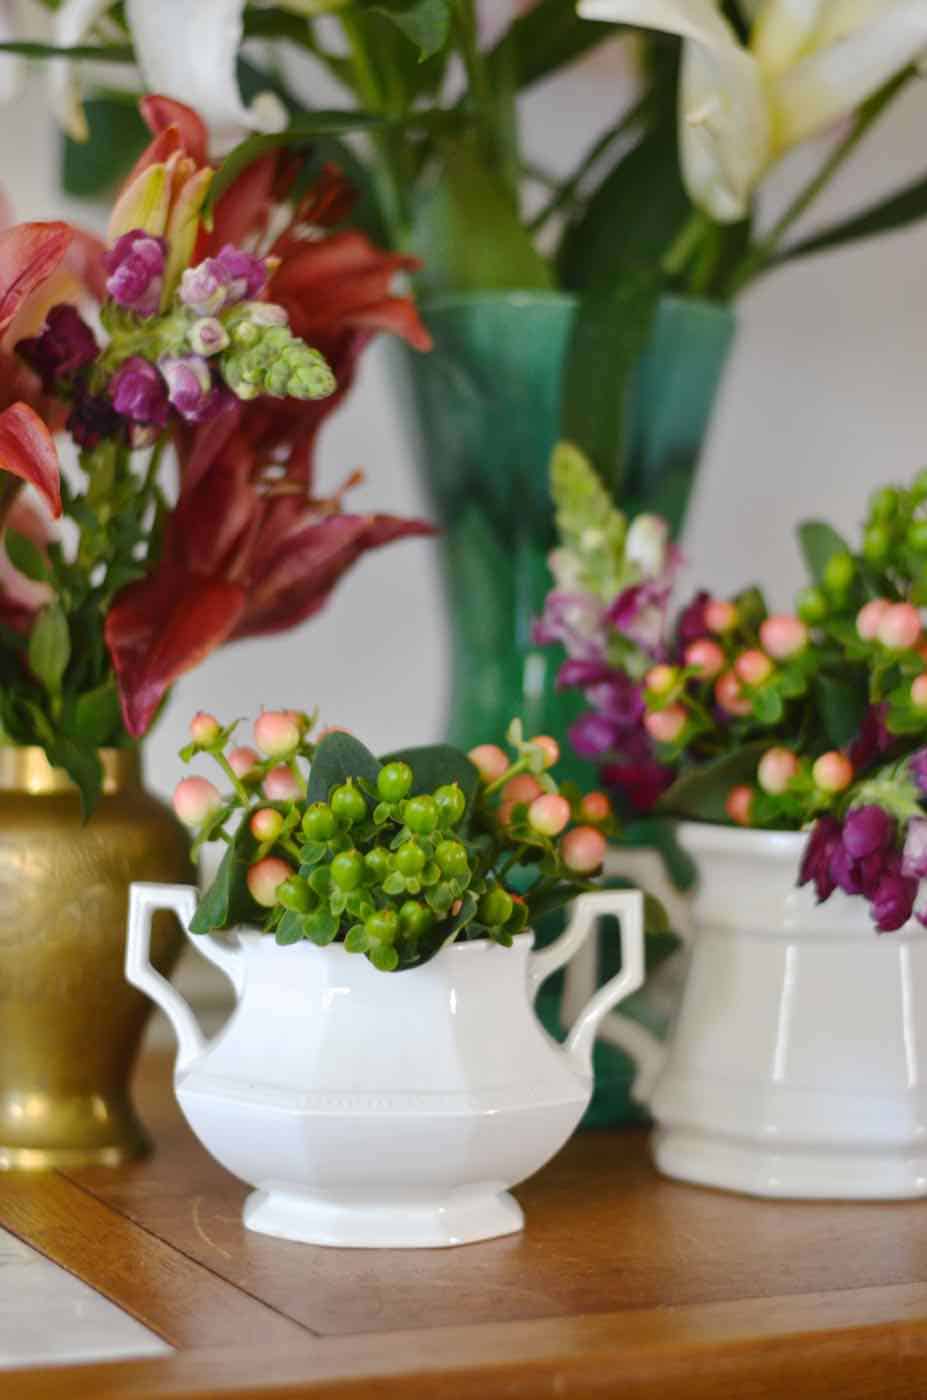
622	1282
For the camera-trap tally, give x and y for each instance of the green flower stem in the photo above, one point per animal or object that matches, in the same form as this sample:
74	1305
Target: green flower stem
241	792
686	244
522	766
567	193
291	849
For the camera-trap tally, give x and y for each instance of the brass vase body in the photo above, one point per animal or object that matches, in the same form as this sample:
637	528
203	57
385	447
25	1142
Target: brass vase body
70	1024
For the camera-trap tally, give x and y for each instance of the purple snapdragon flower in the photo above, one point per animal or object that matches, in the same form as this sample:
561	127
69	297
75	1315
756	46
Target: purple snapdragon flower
230	277
139	393
914	858
917	767
861	858
135	265
190	388
65	346
822	845
576	621
893	899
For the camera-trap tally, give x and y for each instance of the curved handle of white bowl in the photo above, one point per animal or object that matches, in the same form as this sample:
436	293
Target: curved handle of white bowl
145	900
628	907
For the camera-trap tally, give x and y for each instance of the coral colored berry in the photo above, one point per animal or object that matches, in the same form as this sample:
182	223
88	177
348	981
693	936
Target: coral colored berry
582	850
739	804
869	618
660	680
919	692
753	667
783	636
276	733
776	770
548	815
900	627
833	772
665	726
196	799
720	616
490	761
266	824
595	807
730	697
706	658
523	788
549	747
204	728
265	878
282	785
243	762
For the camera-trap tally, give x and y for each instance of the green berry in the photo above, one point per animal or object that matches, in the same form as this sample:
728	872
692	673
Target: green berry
495	907
383	926
877	543
452	858
379	863
884	503
839	573
348	804
347	870
296	895
319	822
415	919
410	859
812	605
421	815
917	536
394	782
451	804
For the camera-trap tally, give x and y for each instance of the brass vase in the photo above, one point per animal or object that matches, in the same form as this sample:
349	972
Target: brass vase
70	1024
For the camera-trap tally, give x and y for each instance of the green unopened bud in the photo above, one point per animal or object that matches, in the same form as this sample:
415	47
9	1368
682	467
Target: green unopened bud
274	362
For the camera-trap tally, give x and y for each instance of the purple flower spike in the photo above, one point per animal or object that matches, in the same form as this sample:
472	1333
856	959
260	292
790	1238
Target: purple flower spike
190	387
868	830
243	273
216	283
136	271
66	346
139	393
823	844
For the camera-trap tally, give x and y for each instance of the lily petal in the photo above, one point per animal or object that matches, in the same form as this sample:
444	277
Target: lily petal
725	138
73	22
27	450
188	50
183	227
783	31
164	114
832	82
143	204
29	254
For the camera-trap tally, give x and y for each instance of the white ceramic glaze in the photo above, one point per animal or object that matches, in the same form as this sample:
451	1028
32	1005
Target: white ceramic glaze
384	1109
797	1062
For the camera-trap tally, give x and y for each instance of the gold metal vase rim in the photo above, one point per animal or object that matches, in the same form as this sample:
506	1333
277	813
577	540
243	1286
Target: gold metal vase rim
25	768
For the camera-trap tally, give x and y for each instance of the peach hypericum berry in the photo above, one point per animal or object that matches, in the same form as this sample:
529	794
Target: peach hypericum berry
277	733
204	728
777	768
490	761
783	636
522	788
720	616
549	814
706	658
869	617
196	799
739	804
281	785
660	680
549	747
243	761
595	807
919	692
730	696
266	824
265	878
753	667
900	627
833	772
665	726
582	850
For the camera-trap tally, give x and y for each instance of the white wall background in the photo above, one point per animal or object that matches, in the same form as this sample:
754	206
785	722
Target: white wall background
824	398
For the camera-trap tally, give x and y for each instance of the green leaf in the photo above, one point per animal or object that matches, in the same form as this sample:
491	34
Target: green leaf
290	929
384	958
228	901
702	792
74	53
117	138
395	883
83	768
339	757
842	702
320	926
300	132
819	542
357	940
470	234
768	707
612	329
50	648
95	718
548	37
25	556
427	23
907	207
435	765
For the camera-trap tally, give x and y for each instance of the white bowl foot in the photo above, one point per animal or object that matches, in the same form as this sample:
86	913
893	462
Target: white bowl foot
462	1218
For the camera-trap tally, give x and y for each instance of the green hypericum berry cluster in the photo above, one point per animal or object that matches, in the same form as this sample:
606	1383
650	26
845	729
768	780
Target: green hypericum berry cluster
271	360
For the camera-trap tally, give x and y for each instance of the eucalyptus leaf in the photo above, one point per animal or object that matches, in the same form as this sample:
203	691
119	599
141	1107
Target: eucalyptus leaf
339	757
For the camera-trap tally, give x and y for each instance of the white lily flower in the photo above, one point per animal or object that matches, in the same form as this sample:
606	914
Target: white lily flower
808	64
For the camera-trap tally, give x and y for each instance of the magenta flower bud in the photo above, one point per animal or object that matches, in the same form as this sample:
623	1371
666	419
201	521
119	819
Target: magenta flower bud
914	859
867	830
549	814
783	636
265	878
208	336
266	824
277	733
202	289
139	392
282	785
490	761
243	762
776	770
65	346
900	627
195	800
665	726
582	850
135	265
189	386
739	804
204	728
869	617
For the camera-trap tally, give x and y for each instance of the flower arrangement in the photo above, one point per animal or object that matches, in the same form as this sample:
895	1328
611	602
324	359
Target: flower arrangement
394	857
815	719
665	200
224	325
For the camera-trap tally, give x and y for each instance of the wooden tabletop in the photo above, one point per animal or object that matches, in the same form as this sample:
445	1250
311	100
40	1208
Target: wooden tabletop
622	1284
